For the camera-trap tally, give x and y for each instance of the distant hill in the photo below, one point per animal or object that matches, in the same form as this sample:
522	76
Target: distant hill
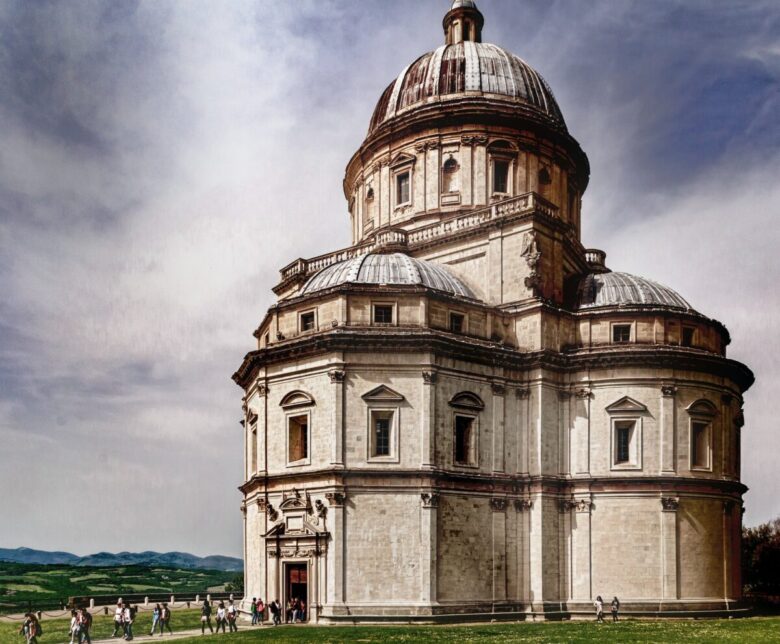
148	558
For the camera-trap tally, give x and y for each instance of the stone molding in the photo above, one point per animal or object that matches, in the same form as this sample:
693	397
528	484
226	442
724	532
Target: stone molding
473	140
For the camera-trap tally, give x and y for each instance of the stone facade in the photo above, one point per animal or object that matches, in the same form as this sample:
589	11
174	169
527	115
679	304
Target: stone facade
414	453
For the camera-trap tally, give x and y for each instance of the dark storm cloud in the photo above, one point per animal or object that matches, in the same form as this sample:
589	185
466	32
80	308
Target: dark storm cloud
161	161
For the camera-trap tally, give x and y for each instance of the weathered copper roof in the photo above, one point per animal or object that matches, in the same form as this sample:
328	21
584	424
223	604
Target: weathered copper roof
391	269
467	68
622	289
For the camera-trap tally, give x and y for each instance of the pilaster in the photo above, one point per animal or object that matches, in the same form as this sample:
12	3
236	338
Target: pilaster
337	378
668	429
498	511
429	502
670	553
523	407
428	420
499	411
336	556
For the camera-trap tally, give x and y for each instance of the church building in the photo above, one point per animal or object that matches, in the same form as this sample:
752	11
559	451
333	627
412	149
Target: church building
466	414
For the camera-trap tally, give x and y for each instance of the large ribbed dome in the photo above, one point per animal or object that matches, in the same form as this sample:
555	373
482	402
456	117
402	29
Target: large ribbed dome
622	289
468	69
391	269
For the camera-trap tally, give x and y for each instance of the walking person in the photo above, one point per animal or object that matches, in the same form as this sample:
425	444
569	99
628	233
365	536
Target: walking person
156	619
232	617
295	606
85	623
260	610
276	610
205	617
118	623
165	619
31	628
599	604
74	628
221	617
253	610
127	619
615	608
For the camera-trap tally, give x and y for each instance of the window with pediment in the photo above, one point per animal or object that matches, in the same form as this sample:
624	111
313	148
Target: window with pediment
626	417
383	409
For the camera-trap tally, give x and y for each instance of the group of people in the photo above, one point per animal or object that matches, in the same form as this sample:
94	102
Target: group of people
295	611
226	615
80	623
599	605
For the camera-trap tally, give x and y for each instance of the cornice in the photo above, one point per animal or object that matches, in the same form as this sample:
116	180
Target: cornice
384	339
515	485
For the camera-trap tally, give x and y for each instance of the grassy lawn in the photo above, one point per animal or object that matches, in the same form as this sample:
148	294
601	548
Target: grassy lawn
738	631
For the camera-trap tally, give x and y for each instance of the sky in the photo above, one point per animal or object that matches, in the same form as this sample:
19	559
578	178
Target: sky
161	161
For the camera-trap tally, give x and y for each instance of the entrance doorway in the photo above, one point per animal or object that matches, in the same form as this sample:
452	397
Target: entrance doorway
296	587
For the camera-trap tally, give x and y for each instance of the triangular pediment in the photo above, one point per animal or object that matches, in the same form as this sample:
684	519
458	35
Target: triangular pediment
294	503
281	530
382	393
402	159
626	404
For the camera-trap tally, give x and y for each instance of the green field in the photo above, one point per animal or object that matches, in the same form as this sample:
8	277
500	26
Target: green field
47	585
738	631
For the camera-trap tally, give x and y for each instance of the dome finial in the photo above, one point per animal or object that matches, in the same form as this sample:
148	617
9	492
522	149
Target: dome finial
463	22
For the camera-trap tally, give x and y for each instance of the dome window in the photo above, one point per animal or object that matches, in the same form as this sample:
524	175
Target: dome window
500	176
621	333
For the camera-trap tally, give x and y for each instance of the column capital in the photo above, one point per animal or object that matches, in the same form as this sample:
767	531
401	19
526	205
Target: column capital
336	499
498	504
429	499
670	503
337	376
668	390
429	377
522	392
523	505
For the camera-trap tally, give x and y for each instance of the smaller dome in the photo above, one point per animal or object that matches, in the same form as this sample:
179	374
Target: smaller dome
457	4
391	269
622	289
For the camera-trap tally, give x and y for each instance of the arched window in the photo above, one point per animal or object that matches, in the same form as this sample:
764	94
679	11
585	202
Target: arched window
297	407
702	414
465	428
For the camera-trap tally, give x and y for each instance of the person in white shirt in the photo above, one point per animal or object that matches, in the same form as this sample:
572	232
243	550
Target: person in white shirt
118	625
232	616
74	628
127	618
599	605
221	617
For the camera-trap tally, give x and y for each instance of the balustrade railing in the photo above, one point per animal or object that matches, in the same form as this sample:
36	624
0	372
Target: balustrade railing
385	237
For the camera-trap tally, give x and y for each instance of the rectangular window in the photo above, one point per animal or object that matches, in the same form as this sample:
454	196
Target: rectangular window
298	438
700	444
402	184
687	336
623	435
621	333
464	426
382	427
307	321
456	322
383	313
500	176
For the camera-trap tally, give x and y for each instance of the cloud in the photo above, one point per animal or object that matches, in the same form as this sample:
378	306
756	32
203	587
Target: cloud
161	161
